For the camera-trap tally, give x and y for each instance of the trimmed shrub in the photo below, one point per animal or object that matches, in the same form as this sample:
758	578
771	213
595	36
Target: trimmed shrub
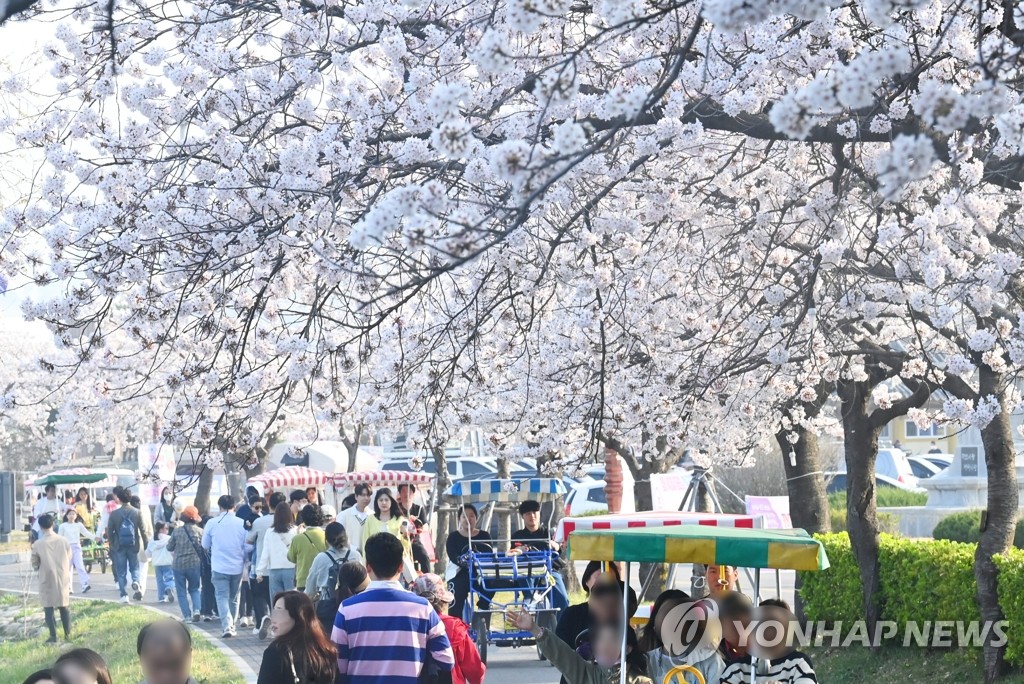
834	594
920	580
885	497
887	522
966	527
1011	600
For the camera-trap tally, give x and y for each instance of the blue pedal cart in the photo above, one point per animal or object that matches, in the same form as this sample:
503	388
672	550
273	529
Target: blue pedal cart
500	579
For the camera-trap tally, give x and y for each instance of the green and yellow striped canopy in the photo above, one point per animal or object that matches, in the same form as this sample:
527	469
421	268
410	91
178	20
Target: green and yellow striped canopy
745	548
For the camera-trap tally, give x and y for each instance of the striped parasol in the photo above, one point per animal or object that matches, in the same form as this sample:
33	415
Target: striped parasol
537	489
70	476
382	478
291	476
745	548
622	521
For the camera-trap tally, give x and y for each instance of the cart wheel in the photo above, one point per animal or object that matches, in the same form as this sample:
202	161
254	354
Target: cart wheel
103	565
88	568
482	625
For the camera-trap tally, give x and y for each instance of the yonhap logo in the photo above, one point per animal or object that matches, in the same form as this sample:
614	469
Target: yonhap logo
691	628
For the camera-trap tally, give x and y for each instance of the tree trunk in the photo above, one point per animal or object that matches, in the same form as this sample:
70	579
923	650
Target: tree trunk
203	487
613	480
504	514
998	526
861	452
442	482
351	446
808	503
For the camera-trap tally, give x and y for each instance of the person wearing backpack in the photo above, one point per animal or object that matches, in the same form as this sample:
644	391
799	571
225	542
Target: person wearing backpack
305	547
326	564
322	580
127	538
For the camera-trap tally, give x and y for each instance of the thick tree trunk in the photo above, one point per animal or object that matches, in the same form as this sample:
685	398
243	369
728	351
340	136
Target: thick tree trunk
203	487
808	504
861	451
998	528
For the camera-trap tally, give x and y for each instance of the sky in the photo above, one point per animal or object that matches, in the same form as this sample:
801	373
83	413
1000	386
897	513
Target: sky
21	46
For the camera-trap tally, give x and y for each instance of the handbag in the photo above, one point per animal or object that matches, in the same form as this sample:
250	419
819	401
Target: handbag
204	557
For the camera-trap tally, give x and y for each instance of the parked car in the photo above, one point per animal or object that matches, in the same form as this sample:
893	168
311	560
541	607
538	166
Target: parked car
836	482
940	461
892	463
922	467
460	468
588	498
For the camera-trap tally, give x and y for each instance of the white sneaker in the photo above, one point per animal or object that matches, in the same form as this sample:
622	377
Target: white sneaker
125	599
255	631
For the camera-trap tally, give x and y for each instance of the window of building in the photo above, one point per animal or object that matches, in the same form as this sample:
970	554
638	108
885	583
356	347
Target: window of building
933	430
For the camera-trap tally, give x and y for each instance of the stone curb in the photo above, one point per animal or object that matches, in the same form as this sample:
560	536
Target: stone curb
15	558
243	666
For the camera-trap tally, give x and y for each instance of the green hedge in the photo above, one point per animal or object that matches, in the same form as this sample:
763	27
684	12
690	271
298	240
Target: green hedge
920	580
965	527
887	522
1011	599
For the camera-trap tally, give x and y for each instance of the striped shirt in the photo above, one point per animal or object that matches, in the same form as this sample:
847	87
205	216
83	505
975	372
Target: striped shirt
383	635
794	668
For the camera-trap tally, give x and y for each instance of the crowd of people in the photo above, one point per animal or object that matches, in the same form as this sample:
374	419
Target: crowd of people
349	598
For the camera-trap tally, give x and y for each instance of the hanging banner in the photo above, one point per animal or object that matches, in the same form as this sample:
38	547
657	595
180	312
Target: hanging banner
157	462
774	510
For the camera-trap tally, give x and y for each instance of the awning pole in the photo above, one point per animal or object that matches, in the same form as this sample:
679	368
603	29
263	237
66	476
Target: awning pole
625	626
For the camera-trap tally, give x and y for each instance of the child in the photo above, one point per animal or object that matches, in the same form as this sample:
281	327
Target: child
162	561
73	531
774	625
607	645
690	639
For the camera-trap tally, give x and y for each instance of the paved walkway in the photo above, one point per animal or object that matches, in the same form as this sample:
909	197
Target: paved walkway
505	665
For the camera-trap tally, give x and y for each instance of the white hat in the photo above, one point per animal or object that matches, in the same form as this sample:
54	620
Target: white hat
329	512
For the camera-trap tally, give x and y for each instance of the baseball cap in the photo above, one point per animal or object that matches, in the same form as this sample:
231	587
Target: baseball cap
430	586
192	513
328	511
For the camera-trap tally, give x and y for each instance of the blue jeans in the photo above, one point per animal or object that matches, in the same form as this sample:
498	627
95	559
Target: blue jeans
164	580
281	580
225	587
559	596
125	562
186	584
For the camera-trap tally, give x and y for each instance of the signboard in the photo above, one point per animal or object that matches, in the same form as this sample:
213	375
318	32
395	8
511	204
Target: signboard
156	461
774	510
969	461
667	489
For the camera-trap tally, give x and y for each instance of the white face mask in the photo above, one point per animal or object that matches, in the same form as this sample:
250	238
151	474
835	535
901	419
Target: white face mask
168	498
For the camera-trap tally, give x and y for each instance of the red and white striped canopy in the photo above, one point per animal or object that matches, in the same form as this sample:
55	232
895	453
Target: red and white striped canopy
383	478
291	476
619	521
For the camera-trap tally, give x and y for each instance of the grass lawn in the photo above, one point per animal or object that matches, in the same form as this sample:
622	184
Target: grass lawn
110	629
18	541
856	665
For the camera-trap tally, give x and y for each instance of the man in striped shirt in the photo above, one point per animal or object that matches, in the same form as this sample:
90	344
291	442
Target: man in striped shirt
384	634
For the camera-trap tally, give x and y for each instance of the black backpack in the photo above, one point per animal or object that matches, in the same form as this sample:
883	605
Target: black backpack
329	597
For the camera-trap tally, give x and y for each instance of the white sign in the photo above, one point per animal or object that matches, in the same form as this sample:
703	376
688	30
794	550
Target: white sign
774	509
156	461
667	489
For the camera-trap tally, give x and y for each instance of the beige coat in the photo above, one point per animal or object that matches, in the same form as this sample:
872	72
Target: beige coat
147	530
51	556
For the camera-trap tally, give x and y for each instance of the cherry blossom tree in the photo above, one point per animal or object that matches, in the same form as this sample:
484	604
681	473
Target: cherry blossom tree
577	221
